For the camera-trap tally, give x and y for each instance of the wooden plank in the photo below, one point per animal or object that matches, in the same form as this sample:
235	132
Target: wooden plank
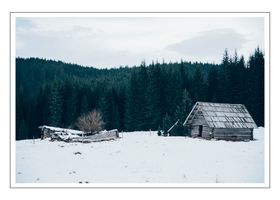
228	130
233	134
205	131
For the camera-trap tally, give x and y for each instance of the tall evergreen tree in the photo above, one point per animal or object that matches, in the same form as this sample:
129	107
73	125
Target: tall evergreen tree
122	111
173	91
132	107
55	105
241	82
21	110
256	95
84	105
212	85
223	87
198	86
70	105
22	130
143	84
40	108
111	110
157	97
184	107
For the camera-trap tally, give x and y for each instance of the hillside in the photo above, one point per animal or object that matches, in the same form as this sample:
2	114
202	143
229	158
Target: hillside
140	98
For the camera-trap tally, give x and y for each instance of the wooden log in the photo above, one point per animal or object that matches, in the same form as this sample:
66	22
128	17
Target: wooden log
233	134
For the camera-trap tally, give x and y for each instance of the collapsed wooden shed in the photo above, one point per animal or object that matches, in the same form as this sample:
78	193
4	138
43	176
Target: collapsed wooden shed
220	121
70	135
56	132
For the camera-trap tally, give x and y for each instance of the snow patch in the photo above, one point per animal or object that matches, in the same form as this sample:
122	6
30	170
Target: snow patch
141	157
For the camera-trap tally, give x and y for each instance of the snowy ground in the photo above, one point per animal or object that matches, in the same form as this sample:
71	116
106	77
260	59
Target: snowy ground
141	157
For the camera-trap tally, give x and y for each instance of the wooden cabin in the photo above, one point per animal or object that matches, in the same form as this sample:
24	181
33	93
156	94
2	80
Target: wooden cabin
220	121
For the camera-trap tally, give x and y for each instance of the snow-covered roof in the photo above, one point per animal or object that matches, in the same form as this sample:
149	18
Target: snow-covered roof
222	115
57	129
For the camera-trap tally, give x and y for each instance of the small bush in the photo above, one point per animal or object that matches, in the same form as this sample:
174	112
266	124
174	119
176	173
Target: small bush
92	122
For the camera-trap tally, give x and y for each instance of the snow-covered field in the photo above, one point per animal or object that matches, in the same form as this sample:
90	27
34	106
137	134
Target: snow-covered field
140	157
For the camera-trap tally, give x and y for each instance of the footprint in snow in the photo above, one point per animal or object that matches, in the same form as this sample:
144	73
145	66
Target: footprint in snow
82	182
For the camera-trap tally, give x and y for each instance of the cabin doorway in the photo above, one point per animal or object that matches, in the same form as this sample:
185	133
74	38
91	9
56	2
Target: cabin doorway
200	127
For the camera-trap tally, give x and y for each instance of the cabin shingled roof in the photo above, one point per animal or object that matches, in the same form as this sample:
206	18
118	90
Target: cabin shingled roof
222	115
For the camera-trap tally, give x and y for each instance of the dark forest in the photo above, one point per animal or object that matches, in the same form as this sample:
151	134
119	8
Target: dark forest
144	97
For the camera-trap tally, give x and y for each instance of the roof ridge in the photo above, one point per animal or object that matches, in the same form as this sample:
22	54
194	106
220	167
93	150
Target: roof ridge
220	103
236	115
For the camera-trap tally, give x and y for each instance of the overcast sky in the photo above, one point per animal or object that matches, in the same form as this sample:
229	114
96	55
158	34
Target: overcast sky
113	42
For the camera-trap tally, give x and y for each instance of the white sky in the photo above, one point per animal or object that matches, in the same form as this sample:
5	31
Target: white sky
112	42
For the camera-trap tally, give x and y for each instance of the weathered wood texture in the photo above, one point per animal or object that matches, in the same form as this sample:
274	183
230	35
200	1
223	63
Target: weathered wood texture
102	136
206	131
197	121
69	135
46	133
218	133
221	115
220	121
233	134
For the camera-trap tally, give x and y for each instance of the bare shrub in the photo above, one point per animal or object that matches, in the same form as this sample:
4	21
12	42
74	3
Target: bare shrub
91	122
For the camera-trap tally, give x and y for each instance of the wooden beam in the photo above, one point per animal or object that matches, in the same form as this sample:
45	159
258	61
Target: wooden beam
173	126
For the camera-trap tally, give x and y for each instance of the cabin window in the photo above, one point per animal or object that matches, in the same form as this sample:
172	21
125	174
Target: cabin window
200	130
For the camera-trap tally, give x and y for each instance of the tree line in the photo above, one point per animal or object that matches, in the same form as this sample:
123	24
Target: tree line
144	97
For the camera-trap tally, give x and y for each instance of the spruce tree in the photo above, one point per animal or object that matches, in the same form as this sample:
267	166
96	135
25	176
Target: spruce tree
223	87
198	86
132	106
143	81
21	110
110	109
70	105
55	105
84	105
157	97
233	79
212	85
256	85
22	131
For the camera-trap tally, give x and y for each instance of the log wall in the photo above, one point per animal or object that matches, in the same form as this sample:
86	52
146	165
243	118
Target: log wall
233	134
218	133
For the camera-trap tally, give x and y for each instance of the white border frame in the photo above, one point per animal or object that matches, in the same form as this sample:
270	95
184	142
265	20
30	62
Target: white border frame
266	183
